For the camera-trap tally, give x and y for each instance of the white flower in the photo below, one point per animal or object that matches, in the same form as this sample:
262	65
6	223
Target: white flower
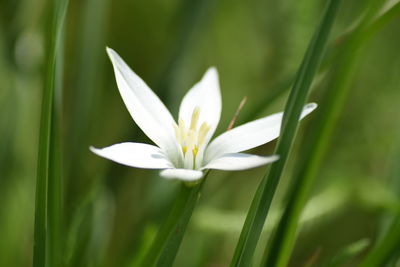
184	149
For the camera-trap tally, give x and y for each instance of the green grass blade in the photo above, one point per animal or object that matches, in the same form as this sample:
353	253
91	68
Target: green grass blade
346	254
55	181
386	249
40	246
262	201
169	237
254	110
279	251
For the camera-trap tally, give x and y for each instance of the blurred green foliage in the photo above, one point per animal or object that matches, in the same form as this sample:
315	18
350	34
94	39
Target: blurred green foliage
112	212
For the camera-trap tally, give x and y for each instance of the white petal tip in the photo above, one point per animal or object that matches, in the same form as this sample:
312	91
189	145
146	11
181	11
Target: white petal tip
108	49
240	161
212	71
307	109
274	158
93	149
111	53
311	106
181	174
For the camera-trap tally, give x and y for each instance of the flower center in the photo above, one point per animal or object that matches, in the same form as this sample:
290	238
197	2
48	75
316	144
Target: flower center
192	139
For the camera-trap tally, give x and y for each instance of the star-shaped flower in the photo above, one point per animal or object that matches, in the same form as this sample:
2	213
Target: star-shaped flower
184	149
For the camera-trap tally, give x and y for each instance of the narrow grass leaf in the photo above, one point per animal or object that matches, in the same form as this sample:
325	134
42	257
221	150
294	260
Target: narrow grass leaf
281	245
332	53
386	249
58	12
55	181
262	200
348	253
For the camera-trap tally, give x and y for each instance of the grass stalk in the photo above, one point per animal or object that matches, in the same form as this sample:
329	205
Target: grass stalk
386	249
348	253
281	245
55	179
262	200
45	163
333	51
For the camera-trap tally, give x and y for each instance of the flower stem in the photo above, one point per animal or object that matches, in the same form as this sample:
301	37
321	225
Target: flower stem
169	237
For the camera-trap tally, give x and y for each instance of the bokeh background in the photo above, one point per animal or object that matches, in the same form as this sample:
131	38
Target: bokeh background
112	212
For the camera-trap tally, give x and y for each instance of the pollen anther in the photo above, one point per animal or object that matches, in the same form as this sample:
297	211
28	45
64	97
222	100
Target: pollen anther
192	139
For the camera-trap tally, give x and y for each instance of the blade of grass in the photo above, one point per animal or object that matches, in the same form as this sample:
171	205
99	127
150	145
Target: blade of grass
386	249
281	245
58	12
55	181
169	237
262	200
333	51
348	253
388	240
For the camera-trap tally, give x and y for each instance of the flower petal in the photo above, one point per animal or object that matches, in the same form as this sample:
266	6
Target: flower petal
239	161
145	107
205	95
135	155
182	174
249	135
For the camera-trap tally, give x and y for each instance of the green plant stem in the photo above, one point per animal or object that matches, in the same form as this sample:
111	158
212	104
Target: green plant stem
386	249
169	237
262	200
281	245
44	161
55	181
346	254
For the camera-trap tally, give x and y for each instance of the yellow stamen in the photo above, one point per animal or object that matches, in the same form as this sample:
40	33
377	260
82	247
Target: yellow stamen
204	128
194	151
195	118
191	139
182	130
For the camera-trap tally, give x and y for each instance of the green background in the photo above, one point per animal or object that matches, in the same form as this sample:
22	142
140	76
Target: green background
112	212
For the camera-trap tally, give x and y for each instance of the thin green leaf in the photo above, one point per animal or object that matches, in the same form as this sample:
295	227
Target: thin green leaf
333	51
169	237
348	253
55	181
281	245
44	163
262	200
386	249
